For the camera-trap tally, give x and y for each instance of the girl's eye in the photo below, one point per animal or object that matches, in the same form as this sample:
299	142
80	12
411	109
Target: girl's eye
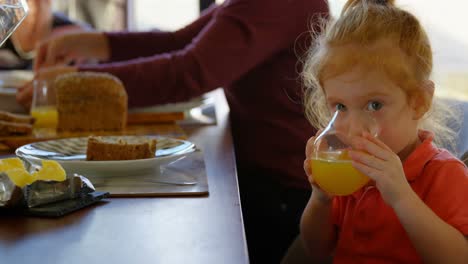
340	107
374	106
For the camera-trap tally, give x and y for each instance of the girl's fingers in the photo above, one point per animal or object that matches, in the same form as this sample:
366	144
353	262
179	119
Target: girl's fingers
309	147
372	173
375	141
307	167
310	144
368	160
371	147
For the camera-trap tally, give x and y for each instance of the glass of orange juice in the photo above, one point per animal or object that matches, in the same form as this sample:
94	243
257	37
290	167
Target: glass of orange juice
331	165
43	107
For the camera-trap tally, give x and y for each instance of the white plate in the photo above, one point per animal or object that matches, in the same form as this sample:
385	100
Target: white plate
9	82
8	101
15	79
71	154
171	107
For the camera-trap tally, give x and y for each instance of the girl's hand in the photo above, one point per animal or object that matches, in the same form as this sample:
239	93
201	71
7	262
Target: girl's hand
380	163
317	192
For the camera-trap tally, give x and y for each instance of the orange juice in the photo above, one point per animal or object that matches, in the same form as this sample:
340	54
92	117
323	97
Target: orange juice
335	174
46	116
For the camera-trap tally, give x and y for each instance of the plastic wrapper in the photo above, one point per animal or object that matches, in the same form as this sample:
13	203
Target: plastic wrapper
41	192
44	192
10	194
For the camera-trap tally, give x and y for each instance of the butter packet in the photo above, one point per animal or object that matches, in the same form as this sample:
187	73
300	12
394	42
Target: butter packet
47	191
48	198
44	192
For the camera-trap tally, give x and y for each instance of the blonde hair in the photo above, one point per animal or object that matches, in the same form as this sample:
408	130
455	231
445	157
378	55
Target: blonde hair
377	34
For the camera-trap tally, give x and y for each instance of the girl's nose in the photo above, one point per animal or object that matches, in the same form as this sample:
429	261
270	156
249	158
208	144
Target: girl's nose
353	123
355	127
347	127
361	122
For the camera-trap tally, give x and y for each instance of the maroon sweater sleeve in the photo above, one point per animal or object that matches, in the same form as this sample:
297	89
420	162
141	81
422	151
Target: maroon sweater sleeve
240	35
131	45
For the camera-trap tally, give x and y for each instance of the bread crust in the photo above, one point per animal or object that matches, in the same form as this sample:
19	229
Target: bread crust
11	128
100	149
16	118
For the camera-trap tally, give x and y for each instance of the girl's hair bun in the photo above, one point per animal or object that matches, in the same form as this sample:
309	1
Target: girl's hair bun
383	2
351	3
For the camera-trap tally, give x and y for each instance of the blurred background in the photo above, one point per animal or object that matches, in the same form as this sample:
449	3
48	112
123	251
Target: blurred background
445	22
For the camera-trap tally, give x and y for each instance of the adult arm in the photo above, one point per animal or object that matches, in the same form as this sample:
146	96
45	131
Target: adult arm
35	27
241	35
68	45
130	45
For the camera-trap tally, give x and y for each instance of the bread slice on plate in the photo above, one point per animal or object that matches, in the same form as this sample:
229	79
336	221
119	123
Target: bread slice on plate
120	148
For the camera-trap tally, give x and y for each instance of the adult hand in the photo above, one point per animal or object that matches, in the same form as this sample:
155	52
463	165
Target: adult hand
376	160
317	192
35	27
24	94
66	48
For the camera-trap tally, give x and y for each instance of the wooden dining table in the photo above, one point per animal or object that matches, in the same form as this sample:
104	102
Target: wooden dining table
186	229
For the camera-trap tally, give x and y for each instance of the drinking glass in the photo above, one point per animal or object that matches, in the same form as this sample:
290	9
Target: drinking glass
12	13
331	165
43	106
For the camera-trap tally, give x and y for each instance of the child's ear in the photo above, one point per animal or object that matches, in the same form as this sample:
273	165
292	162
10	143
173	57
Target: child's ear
421	99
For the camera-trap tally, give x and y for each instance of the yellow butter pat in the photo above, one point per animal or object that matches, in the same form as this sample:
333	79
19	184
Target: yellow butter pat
50	171
20	177
11	163
15	170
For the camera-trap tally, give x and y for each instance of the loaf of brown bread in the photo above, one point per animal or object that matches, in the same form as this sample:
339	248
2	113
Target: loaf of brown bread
88	101
120	148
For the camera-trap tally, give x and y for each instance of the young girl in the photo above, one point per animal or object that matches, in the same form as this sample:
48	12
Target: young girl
377	58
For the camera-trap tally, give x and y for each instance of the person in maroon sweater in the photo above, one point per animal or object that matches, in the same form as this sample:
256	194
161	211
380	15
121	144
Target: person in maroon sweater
251	49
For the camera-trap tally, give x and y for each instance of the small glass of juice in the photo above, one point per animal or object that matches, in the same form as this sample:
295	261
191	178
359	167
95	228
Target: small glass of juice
331	165
43	107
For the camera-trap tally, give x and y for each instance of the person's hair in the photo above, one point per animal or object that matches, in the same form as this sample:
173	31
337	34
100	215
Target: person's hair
377	35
